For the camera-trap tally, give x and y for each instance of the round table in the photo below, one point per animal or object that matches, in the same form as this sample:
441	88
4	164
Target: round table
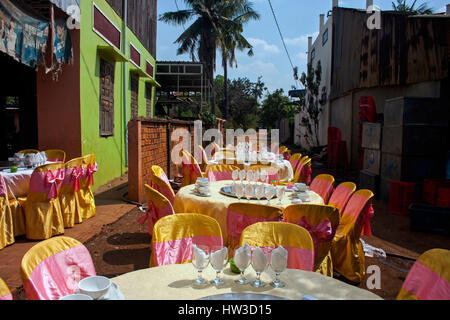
175	282
215	206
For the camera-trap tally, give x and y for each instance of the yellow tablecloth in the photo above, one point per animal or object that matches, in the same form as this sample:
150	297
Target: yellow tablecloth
175	282
216	206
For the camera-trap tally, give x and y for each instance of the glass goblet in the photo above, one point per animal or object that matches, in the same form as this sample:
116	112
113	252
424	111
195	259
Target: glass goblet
263	176
248	191
242	175
259	192
278	263
260	262
269	192
218	260
235	176
242	262
280	194
239	191
200	260
249	176
256	176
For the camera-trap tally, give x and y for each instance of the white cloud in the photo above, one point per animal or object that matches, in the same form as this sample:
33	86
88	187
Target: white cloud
301	41
262	46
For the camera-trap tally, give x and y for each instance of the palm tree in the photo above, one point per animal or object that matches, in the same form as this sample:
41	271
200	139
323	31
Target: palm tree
201	38
402	6
230	38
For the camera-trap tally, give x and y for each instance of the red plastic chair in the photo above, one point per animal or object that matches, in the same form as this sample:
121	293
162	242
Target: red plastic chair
401	195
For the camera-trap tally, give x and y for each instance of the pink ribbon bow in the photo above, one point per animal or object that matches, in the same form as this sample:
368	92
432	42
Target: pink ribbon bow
54	180
308	176
76	174
150	216
321	233
90	172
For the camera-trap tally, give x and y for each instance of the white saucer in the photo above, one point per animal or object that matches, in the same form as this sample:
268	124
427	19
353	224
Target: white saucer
113	293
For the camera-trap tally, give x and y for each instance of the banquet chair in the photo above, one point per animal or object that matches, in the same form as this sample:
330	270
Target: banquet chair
272	172
321	221
346	250
158	206
85	196
6	218
161	183
429	277
191	169
203	165
216	148
56	155
323	185
17	206
26	151
52	268
341	195
174	235
43	216
5	293
295	239
304	171
220	172
295	161
70	193
241	215
223	155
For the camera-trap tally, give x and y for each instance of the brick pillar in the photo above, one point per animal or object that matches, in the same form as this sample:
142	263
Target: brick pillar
136	190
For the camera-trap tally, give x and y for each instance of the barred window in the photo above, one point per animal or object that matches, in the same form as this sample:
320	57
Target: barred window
106	98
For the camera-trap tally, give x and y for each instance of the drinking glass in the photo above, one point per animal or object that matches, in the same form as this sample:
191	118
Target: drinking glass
260	262
242	175
263	176
269	192
218	260
259	192
280	194
248	191
249	176
256	176
278	263
200	260
242	265
235	176
239	191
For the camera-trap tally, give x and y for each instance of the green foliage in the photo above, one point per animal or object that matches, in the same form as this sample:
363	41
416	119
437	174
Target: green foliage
209	119
275	107
402	6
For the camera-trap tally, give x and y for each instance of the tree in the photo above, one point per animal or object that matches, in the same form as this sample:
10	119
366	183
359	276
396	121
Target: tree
275	107
309	104
201	38
402	6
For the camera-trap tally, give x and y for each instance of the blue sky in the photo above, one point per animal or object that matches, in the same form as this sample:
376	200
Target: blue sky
298	19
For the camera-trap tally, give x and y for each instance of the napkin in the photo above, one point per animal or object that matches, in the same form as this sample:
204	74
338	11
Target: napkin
242	256
259	261
219	258
278	259
200	256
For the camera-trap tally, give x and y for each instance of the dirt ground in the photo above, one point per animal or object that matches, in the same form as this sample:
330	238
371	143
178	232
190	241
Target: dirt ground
125	245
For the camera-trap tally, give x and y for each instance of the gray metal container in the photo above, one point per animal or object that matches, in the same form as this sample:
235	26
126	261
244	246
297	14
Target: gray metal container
371	135
415	110
372	161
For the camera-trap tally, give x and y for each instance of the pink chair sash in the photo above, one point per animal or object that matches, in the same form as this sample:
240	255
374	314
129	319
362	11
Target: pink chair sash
75	175
3	191
153	214
90	172
180	250
323	188
237	222
55	181
164	190
59	274
295	164
340	197
362	211
426	284
298	258
323	232
220	175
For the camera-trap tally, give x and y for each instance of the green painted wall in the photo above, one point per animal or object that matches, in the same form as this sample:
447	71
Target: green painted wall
110	152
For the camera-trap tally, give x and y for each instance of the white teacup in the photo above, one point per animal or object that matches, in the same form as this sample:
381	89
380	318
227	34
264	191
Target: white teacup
202	182
95	287
77	296
301	187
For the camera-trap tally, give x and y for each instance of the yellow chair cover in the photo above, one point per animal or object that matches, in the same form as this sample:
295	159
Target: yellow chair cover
29	151
18	215
6	218
293	238
224	155
56	154
43	216
191	170
219	172
68	196
347	250
85	197
303	166
241	215
5	293
323	185
322	222
429	277
173	236
205	161
161	183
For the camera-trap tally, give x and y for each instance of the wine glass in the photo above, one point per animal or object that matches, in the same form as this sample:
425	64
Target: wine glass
256	176
239	191
242	259
218	260
248	191
200	260
263	176
249	176
259	192
278	263
259	263
235	176
242	175
269	192
280	194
